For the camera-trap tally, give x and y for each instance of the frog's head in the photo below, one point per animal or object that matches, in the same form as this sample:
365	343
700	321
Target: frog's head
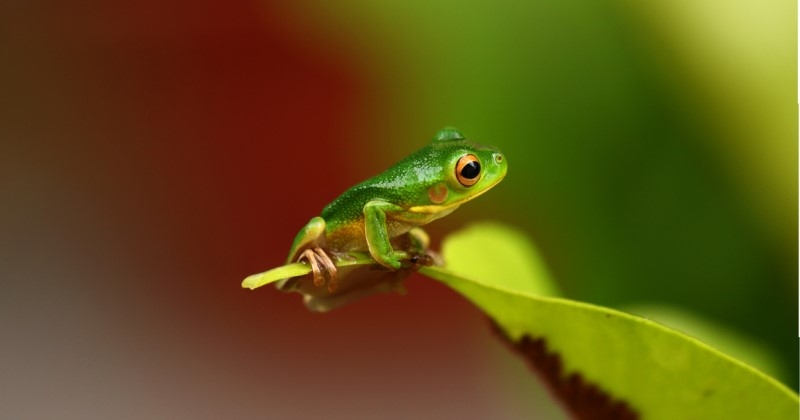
463	171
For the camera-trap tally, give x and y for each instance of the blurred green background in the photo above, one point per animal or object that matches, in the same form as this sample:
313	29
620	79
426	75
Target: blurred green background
153	153
652	146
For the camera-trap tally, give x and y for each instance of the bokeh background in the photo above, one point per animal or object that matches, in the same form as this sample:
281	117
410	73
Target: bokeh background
154	153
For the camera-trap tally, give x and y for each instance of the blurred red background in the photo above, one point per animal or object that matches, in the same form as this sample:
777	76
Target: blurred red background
159	152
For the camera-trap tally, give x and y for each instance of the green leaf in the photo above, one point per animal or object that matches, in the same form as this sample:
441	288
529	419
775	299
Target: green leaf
271	276
658	372
295	270
722	337
483	250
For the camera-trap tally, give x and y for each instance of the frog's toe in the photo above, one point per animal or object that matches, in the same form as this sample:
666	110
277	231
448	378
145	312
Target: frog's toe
321	267
427	259
332	284
313	260
422	260
330	269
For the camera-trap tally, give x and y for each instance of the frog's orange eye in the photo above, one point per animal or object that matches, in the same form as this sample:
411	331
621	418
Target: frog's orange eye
468	170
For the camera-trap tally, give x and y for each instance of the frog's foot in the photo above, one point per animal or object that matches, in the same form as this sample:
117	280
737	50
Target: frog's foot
426	259
321	266
423	260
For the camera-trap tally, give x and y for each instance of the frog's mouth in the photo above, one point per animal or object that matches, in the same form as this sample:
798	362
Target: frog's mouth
439	208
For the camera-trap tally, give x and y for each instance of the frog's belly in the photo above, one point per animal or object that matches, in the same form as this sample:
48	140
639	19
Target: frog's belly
353	237
346	238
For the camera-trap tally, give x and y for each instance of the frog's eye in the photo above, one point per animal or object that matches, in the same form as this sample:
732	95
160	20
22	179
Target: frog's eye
468	170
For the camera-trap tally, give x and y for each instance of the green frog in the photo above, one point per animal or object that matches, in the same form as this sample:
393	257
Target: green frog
383	215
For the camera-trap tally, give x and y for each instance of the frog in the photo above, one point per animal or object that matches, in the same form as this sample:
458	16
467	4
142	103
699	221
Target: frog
383	216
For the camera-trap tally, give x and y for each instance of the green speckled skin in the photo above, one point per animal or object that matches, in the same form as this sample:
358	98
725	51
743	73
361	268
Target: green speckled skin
417	190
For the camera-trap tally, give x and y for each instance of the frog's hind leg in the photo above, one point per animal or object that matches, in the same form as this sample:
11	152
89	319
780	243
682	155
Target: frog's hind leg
307	247
419	240
420	254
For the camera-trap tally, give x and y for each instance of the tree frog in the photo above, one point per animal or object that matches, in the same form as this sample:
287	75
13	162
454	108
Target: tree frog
382	215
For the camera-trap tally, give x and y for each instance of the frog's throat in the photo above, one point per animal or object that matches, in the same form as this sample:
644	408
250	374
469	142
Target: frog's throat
436	208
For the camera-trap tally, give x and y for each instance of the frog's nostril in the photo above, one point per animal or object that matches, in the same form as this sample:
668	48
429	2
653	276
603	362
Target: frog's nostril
498	158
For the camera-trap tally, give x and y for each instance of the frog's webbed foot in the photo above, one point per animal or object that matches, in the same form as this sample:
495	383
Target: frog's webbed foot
321	267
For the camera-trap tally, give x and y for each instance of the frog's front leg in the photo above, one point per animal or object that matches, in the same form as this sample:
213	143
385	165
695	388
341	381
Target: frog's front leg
307	247
377	234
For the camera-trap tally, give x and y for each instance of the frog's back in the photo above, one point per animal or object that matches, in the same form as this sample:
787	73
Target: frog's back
348	208
395	185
